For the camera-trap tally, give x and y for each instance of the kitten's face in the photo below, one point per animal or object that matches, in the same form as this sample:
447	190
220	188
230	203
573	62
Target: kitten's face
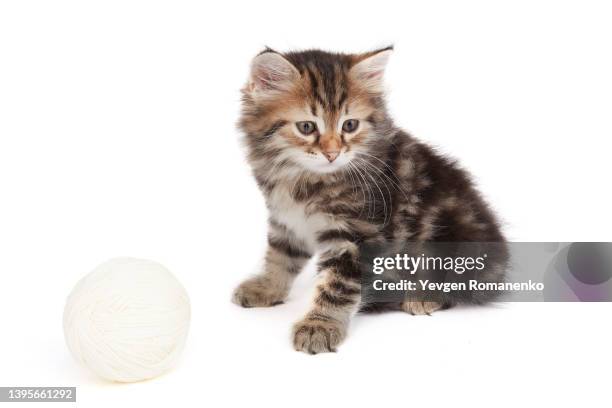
313	109
320	138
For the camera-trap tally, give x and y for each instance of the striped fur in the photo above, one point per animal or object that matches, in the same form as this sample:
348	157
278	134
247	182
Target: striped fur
383	186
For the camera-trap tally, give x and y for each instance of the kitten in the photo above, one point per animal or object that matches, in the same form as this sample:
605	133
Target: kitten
336	174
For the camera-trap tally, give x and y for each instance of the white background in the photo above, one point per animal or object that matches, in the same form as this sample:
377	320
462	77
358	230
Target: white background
117	138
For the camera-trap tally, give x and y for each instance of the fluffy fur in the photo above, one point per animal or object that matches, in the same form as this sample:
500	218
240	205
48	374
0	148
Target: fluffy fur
335	189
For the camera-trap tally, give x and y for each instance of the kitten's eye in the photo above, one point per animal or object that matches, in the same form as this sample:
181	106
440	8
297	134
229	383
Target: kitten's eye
306	127
350	125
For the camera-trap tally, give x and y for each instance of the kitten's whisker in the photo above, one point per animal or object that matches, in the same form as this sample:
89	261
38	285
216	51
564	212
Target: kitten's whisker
276	166
382	196
355	178
371	196
366	187
395	182
370	165
348	172
386	184
376	158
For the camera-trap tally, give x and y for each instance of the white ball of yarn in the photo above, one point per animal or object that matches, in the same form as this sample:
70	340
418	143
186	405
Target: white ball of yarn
127	320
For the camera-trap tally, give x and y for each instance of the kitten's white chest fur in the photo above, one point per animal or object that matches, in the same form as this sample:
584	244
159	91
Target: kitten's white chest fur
293	215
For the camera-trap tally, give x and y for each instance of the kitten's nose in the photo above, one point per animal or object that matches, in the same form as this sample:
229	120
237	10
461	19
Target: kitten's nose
331	154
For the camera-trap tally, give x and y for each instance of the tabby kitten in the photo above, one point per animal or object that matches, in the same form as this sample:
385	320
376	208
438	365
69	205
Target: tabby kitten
337	174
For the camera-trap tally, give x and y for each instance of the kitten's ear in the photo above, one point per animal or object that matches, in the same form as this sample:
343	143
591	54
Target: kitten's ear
271	73
370	67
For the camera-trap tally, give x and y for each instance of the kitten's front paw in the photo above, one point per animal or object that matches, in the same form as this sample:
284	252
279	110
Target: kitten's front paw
421	308
318	336
258	292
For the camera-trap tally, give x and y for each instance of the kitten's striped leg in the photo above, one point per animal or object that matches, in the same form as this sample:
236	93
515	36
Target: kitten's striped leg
284	259
336	301
416	307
